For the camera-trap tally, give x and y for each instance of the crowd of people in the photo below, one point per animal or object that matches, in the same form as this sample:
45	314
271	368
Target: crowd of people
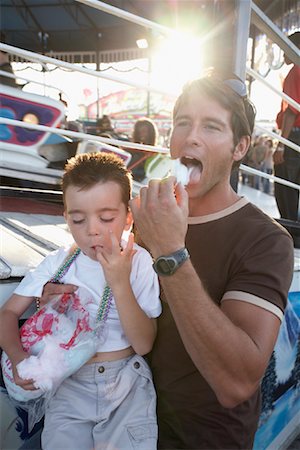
260	157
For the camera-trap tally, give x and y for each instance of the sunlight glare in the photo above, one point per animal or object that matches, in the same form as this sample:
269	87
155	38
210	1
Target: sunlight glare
176	60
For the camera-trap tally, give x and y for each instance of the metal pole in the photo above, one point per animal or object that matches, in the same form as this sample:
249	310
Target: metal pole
149	83
243	16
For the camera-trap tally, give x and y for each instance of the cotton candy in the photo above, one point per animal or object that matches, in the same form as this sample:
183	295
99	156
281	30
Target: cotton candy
59	338
180	171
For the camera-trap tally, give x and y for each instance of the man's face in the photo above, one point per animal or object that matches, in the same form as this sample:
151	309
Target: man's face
94	213
203	139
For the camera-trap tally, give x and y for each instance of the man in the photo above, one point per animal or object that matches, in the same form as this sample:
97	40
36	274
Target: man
287	160
225	269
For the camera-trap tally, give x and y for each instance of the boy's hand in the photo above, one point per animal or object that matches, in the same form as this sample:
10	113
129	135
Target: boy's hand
117	263
25	384
52	289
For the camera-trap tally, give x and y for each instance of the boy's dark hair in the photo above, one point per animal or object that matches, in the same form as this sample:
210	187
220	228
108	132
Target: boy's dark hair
87	169
241	108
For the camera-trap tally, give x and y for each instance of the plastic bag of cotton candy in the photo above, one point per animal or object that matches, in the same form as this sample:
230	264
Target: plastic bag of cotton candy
59	338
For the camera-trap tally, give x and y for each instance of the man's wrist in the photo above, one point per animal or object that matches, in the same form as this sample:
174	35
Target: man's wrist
167	264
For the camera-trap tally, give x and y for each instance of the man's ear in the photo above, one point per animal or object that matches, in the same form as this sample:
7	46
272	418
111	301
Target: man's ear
241	148
129	221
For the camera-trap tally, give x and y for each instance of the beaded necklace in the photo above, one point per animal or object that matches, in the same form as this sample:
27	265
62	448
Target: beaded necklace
107	296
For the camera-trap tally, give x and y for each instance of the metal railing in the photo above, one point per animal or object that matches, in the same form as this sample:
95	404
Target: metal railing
258	18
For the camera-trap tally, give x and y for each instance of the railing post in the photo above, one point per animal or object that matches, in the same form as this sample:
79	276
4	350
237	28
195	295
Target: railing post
243	17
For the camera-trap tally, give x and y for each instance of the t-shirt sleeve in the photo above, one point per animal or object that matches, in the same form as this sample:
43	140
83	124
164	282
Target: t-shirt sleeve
264	273
33	283
144	282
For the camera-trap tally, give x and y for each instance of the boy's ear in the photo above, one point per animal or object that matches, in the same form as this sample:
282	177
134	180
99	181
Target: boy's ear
129	221
241	148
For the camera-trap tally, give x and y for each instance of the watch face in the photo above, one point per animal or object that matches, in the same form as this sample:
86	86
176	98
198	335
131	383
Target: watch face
165	266
168	264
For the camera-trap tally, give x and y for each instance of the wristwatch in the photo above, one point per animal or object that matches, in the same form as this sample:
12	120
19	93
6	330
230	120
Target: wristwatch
166	265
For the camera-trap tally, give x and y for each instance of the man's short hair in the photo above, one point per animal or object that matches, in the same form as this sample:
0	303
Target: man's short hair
241	108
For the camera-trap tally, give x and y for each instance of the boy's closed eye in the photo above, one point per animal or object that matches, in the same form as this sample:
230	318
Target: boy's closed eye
106	220
77	221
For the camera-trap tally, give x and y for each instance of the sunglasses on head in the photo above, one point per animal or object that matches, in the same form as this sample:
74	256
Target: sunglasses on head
238	86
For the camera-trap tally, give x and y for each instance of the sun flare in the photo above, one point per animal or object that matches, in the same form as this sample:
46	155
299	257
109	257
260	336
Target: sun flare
176	60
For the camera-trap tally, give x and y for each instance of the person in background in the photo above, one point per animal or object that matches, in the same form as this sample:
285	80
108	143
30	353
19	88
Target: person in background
144	132
225	269
110	402
267	165
104	127
287	160
258	157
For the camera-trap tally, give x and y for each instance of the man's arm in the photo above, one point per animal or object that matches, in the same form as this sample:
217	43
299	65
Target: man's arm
230	345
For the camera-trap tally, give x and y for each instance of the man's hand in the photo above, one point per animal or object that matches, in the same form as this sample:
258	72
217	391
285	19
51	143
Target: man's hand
278	156
52	289
160	214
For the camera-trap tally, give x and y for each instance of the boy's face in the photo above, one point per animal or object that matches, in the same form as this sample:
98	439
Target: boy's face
93	214
202	138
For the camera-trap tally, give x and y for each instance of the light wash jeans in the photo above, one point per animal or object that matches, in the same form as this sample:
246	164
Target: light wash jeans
104	406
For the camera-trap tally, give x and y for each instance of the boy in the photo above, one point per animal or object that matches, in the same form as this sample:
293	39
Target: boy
110	402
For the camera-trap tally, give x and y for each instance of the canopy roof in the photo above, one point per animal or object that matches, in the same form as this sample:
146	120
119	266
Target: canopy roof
68	25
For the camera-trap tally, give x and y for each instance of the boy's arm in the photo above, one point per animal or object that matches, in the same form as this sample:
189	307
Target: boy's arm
10	341
140	330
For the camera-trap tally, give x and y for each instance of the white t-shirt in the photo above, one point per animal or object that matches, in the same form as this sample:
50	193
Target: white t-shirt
89	274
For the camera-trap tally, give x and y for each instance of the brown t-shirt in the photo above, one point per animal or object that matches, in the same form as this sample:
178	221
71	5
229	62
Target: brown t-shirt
238	253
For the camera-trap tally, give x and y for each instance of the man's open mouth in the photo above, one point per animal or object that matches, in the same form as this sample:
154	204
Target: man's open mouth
195	168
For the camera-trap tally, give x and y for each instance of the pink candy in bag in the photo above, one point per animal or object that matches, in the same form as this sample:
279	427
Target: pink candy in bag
60	338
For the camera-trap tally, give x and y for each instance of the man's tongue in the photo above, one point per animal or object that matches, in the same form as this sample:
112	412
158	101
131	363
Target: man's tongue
194	174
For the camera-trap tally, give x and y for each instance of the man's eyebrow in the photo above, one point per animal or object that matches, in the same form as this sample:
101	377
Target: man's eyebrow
182	116
204	119
215	120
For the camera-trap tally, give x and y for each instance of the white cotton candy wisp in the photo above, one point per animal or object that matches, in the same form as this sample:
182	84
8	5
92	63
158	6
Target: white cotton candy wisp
180	171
